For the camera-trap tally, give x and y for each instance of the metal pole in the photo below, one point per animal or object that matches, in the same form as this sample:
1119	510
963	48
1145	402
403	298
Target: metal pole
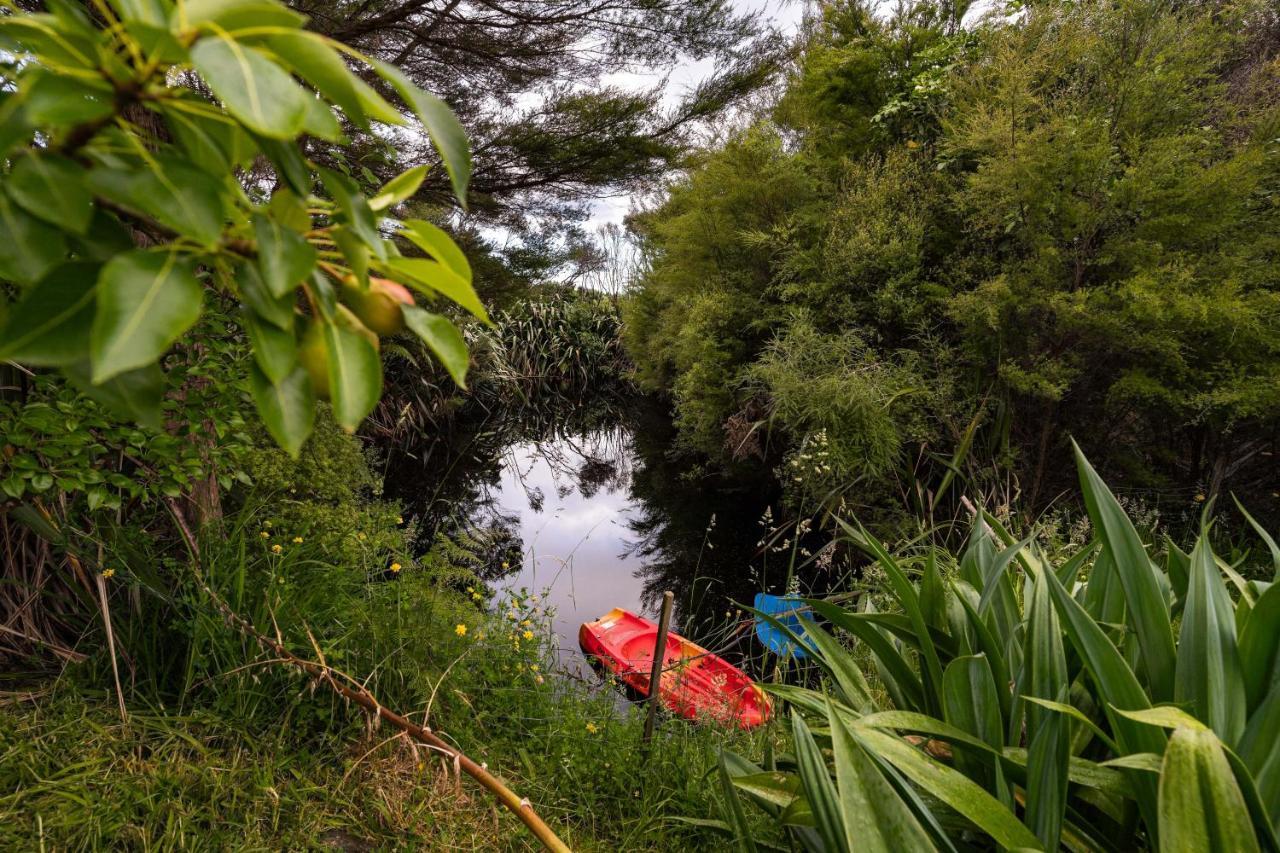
659	656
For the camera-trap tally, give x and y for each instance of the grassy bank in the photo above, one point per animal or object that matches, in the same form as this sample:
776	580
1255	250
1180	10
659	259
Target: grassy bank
221	746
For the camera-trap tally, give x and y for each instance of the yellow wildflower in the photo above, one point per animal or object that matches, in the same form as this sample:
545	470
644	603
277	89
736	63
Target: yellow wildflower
265	535
360	535
526	623
269	524
461	630
471	589
538	679
297	540
399	519
1200	498
276	549
107	574
528	635
475	596
395	567
591	728
533	666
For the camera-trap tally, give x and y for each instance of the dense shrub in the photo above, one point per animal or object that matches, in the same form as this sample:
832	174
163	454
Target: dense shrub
1065	217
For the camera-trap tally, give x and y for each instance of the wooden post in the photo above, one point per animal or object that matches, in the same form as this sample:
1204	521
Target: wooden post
659	656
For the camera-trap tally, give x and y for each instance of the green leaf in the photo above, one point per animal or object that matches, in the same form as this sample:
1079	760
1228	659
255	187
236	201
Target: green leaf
49	326
1210	683
278	311
146	300
321	66
872	815
442	338
355	375
54	101
135	394
356	214
321	121
1260	646
970	703
881	647
439	245
275	350
1148	611
254	89
441	124
398	189
835	659
153	12
214	143
52	188
285	258
171	191
1260	751
905	592
1118	688
235	14
820	791
953	788
733	810
1201	806
1266	537
287	407
772	788
29	248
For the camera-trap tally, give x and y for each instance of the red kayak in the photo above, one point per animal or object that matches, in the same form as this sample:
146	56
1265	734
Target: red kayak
694	684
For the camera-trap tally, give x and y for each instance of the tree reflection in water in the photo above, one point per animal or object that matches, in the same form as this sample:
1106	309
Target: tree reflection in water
600	502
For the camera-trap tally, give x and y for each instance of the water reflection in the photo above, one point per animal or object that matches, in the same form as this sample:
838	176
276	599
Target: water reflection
598	511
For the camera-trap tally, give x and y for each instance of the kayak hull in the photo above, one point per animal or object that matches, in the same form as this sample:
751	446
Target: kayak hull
695	683
786	609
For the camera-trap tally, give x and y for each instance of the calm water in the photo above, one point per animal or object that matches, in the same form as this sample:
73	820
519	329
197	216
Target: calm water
594	513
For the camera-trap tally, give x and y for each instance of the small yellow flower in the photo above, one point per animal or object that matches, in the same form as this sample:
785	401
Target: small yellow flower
528	635
265	535
269	524
505	564
276	549
461	630
399	519
538	679
395	567
471	589
526	623
591	728
107	574
475	596
1200	498
297	540
360	535
533	666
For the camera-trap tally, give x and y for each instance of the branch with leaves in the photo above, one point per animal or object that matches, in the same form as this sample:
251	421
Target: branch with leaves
134	135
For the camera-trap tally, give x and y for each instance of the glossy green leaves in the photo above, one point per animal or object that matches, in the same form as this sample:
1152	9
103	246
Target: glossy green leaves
254	89
111	230
146	300
1201	805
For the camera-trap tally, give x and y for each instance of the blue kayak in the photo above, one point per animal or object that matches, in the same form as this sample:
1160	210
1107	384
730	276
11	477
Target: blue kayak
786	609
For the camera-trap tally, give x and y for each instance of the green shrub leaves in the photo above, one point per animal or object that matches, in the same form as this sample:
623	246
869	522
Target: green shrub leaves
119	235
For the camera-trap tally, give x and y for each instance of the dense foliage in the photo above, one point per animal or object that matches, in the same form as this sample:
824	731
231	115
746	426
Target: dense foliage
156	160
1061	221
1041	687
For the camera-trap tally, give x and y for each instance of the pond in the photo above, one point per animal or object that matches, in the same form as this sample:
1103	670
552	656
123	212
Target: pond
597	511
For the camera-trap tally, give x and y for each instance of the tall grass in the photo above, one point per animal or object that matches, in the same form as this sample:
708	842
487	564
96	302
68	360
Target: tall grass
1008	699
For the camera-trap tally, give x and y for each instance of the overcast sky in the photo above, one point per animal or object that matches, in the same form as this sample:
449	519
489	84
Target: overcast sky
785	14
